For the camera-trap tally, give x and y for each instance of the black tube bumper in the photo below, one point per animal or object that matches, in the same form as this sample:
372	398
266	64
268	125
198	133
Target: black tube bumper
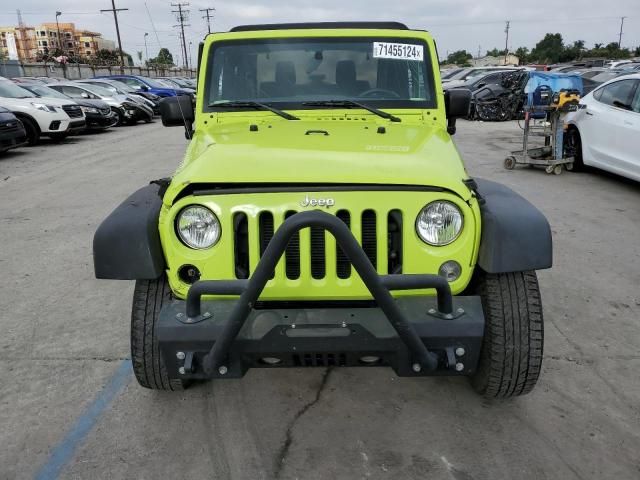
422	335
322	336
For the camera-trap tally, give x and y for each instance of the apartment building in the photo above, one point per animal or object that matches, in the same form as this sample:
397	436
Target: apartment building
49	37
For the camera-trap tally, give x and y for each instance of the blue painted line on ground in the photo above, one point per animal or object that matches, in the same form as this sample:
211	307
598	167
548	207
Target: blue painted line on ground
63	452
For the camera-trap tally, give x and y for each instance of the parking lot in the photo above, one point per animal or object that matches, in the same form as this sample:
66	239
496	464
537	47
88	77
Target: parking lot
69	406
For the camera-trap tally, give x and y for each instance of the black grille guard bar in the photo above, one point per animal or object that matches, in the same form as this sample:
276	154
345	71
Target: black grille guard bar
378	285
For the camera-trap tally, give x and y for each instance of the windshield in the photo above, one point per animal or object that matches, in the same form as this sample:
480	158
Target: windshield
44	91
380	72
8	89
100	91
154	83
121	87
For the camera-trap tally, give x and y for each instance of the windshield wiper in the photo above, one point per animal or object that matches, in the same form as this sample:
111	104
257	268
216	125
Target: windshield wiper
258	105
352	104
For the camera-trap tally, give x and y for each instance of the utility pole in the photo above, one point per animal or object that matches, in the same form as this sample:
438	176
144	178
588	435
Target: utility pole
146	50
115	18
64	65
207	16
479	46
620	37
182	16
190	61
506	42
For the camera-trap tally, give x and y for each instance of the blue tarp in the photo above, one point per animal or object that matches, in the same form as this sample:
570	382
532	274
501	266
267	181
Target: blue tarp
554	81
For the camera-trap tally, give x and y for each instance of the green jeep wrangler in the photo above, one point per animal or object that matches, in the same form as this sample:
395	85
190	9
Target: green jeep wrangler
323	217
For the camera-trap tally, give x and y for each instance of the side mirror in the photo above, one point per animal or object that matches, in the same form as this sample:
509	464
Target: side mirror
144	88
85	95
178	111
456	102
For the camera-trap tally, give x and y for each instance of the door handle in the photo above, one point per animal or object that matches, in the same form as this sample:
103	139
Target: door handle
588	113
627	122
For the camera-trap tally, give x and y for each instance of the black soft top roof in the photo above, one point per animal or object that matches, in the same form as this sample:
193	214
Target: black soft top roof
326	25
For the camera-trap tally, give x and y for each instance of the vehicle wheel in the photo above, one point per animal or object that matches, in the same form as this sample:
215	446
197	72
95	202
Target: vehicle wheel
549	169
557	169
148	298
574	141
511	355
510	162
33	132
121	118
568	166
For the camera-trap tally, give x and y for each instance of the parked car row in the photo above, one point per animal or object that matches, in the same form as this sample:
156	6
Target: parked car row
32	107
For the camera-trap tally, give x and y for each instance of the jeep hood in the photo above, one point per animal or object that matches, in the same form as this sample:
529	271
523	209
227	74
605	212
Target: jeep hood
346	151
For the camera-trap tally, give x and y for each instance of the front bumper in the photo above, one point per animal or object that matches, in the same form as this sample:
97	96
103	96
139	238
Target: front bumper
416	336
12	135
99	121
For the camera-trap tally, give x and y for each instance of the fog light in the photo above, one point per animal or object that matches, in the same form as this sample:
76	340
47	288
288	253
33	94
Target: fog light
450	270
189	274
55	125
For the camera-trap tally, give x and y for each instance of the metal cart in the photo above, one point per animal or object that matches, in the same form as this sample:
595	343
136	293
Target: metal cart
550	108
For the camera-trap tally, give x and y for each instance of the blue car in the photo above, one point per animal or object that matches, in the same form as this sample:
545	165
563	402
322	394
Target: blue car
146	84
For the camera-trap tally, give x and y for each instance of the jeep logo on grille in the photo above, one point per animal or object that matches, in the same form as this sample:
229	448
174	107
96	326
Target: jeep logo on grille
317	202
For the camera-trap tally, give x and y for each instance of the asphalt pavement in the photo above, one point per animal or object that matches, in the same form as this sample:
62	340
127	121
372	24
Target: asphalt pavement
70	408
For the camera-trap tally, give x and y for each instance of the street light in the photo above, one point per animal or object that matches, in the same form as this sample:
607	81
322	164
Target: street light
64	67
146	50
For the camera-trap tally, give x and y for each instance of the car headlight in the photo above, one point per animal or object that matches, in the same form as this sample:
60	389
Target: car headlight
198	227
44	108
90	110
128	105
439	223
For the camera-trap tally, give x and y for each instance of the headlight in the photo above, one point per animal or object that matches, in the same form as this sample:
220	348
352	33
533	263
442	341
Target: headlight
198	227
439	223
90	110
128	105
44	108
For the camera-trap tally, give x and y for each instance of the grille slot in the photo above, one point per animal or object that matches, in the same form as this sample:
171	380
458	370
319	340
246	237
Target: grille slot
319	359
241	245
265	227
394	242
292	254
369	240
318	264
343	267
74	111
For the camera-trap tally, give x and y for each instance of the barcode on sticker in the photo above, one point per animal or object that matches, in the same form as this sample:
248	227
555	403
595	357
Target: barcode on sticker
398	51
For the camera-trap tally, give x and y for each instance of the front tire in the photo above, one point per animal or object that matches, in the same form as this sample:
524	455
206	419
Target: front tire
574	142
511	355
148	298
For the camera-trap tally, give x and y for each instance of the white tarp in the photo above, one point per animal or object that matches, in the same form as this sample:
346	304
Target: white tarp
11	46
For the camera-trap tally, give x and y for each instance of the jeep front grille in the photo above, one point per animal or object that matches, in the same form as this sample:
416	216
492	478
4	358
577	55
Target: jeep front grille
379	233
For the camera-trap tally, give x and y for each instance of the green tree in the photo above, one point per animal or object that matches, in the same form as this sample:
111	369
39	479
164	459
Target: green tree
164	58
460	57
496	53
636	52
548	50
523	54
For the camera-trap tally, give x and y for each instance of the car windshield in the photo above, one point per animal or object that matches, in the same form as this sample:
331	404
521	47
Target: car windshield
154	83
8	89
100	91
382	72
121	87
44	91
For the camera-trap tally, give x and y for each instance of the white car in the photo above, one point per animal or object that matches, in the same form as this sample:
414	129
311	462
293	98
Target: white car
605	130
41	116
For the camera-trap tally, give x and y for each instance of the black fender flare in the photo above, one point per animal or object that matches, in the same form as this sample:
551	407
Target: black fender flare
25	116
127	245
516	236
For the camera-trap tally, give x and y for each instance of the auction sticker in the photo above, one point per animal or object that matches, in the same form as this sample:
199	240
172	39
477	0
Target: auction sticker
398	51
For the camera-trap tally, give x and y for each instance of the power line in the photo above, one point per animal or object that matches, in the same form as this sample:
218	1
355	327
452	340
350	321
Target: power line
115	18
182	17
207	16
